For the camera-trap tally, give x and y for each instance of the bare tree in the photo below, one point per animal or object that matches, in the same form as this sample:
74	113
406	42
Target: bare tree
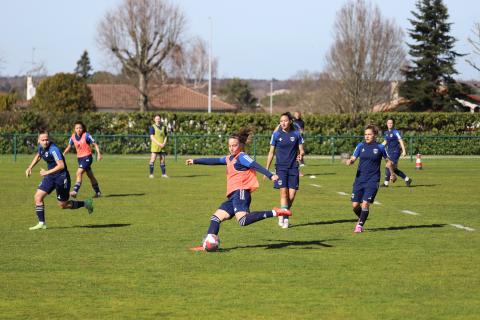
141	34
475	42
189	63
366	54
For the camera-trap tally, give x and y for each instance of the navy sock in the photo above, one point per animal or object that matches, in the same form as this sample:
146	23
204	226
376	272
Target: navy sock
387	174
162	167
95	187
214	227
357	211
151	167
363	216
77	186
77	204
40	211
400	173
253	217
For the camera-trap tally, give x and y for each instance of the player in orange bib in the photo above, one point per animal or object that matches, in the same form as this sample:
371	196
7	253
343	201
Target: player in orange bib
241	182
82	140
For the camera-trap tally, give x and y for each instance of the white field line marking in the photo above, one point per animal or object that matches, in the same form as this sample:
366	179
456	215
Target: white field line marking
313	177
410	212
376	202
342	193
315	185
459	226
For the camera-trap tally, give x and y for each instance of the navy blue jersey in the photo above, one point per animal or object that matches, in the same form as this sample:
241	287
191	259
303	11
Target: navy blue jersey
392	137
370	155
286	147
51	154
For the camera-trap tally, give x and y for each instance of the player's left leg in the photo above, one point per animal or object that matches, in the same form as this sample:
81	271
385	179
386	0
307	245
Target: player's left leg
162	164
62	186
153	156
40	209
78	182
94	183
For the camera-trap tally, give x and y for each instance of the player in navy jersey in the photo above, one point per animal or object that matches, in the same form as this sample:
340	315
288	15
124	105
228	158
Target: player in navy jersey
287	145
367	179
241	182
82	140
396	148
55	177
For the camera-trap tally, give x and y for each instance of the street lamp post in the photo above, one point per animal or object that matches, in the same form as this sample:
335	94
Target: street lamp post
210	69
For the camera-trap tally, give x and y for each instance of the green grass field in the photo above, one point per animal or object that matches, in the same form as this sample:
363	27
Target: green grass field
130	259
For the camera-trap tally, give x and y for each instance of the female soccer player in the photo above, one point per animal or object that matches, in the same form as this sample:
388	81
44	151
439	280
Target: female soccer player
393	142
287	144
82	140
367	179
241	182
55	177
158	137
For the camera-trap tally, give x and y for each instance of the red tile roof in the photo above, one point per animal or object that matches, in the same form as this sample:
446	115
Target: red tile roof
124	97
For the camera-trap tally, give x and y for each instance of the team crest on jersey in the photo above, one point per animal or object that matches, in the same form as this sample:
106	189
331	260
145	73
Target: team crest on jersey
292	139
46	154
280	139
363	149
375	151
391	135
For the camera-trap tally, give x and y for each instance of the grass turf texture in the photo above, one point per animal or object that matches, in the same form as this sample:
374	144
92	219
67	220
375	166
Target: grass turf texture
130	259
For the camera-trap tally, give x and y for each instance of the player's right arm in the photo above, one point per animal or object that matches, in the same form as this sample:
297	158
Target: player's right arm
207	161
355	155
35	160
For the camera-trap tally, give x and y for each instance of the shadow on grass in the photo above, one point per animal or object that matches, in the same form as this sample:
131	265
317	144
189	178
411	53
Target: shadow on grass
306	245
123	195
320	174
316	223
94	226
193	176
418	186
421	226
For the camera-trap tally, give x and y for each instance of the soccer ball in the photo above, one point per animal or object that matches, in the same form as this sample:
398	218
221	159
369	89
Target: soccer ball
211	242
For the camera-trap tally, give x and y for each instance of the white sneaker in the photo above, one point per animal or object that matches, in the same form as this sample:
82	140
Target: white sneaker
285	224
165	176
39	226
280	221
151	176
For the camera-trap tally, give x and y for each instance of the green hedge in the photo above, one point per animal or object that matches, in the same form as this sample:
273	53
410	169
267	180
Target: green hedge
202	133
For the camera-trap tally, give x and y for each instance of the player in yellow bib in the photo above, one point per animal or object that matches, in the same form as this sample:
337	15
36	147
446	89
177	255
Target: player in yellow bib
158	138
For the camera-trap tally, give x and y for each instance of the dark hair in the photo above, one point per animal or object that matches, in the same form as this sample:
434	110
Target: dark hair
84	127
242	136
42	131
288	114
372	127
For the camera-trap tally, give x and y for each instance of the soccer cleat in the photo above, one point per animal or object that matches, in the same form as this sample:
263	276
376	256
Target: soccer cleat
301	174
73	194
165	176
285	224
197	248
280	221
358	228
39	226
408	182
89	205
97	195
151	176
384	185
281	212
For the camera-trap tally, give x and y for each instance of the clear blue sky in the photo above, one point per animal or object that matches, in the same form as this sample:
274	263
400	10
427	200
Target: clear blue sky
259	39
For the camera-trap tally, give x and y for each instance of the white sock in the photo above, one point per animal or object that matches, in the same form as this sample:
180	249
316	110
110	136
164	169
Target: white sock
407	178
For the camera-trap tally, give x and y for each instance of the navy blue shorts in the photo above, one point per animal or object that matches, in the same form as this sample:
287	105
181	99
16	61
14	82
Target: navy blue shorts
364	192
394	157
287	178
85	163
59	182
238	201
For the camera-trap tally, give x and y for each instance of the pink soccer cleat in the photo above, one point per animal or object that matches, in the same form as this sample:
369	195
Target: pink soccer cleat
281	212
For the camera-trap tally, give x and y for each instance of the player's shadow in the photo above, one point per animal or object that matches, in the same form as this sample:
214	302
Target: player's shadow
123	195
193	176
320	174
418	186
420	226
316	223
280	244
95	226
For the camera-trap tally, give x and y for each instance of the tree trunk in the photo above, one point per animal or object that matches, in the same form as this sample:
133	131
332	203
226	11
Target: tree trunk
143	93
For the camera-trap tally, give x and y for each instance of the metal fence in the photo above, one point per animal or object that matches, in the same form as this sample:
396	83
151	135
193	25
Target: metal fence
182	144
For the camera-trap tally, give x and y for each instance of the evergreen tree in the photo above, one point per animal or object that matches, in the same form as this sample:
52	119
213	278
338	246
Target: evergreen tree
237	92
429	78
83	69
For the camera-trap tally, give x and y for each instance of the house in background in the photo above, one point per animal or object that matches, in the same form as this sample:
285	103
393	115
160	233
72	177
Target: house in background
124	97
